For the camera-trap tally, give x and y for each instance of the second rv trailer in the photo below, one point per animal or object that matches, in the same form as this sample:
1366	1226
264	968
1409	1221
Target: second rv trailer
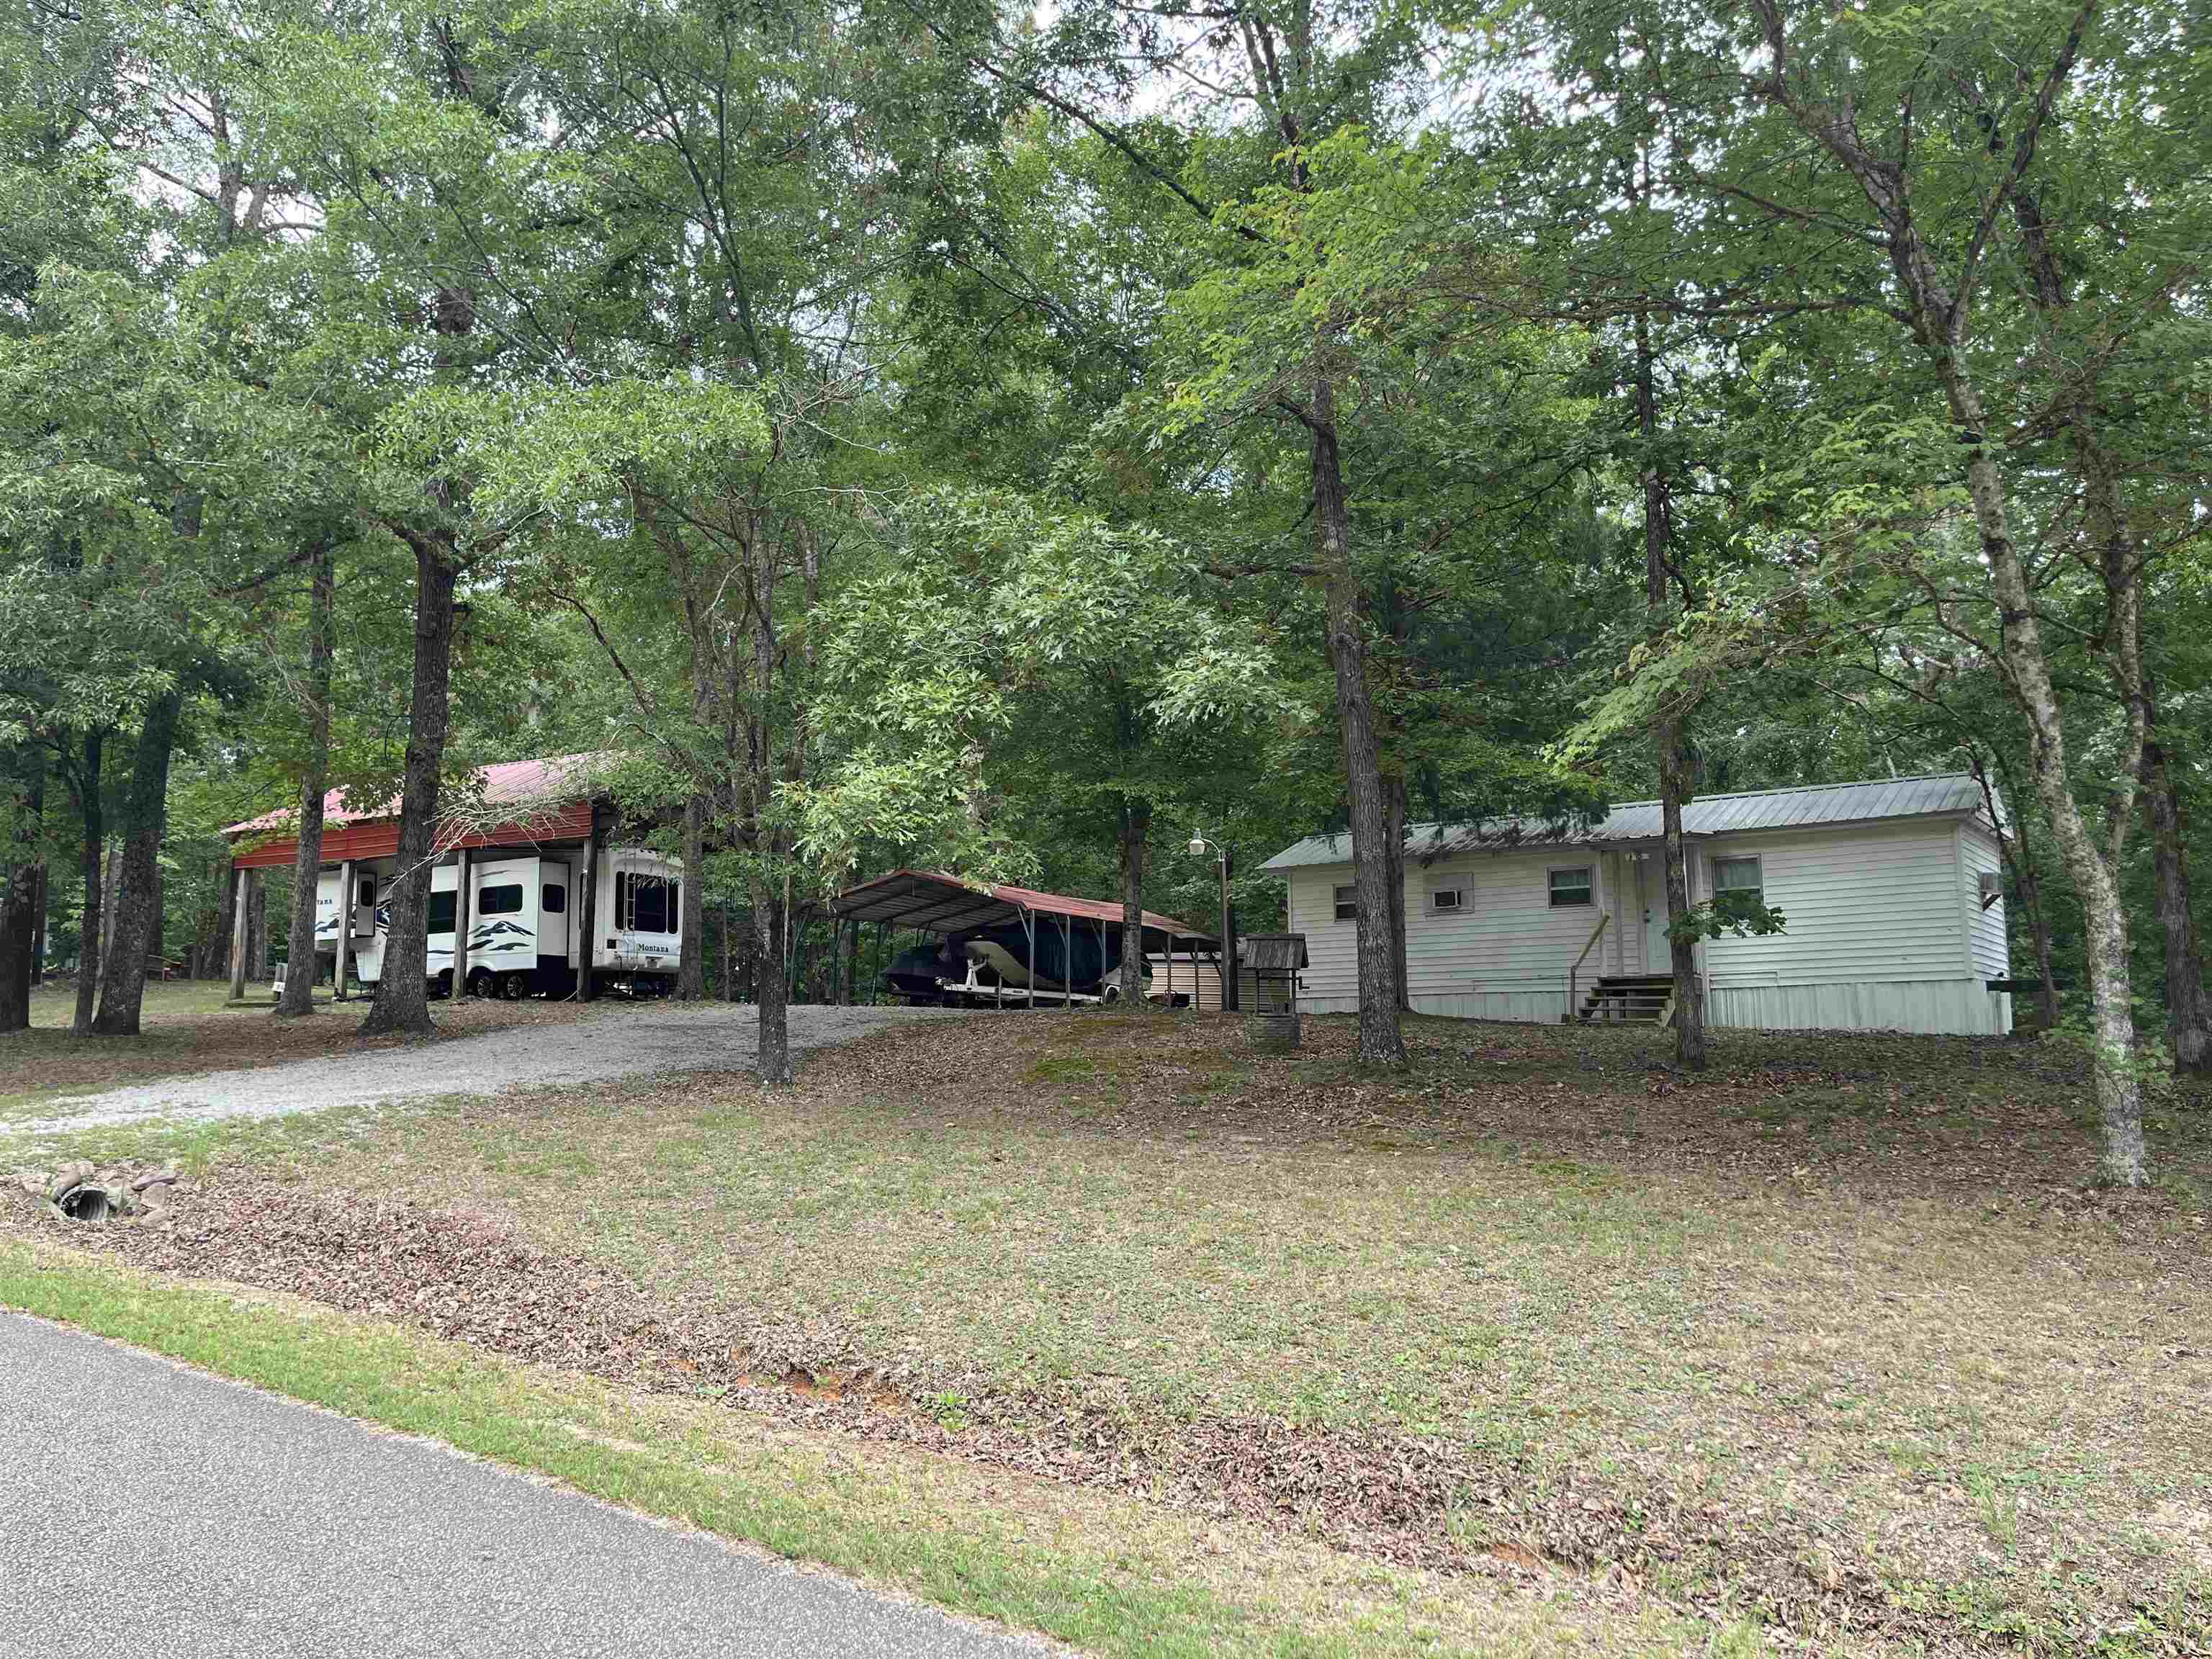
525	923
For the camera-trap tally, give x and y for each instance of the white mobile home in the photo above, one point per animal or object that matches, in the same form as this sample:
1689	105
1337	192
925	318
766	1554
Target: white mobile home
1890	892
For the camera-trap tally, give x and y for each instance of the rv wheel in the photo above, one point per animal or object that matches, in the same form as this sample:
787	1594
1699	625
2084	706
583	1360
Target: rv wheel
514	987
1111	995
480	983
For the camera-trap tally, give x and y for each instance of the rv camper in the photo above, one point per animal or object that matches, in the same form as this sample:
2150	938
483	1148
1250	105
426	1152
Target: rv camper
525	923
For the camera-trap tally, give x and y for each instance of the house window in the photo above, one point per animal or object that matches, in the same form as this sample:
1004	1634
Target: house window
1447	898
1570	887
505	900
1739	888
442	912
1347	905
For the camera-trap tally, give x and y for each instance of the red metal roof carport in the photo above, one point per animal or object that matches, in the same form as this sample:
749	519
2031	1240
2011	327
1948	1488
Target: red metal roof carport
931	901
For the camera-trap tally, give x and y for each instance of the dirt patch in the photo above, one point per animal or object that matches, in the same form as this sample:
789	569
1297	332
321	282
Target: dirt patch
1399	1498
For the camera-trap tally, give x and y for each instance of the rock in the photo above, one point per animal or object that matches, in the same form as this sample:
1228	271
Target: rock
157	1199
66	1179
163	1177
33	1182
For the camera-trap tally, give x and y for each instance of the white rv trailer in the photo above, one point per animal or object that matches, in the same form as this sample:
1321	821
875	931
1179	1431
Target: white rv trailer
525	922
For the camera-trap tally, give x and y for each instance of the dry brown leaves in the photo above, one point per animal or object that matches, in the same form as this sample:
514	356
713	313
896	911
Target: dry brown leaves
1407	1501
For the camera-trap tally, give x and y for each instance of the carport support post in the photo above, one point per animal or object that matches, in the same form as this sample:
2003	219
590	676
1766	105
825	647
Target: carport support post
1067	965
589	945
463	869
876	980
346	932
1102	961
1029	926
244	877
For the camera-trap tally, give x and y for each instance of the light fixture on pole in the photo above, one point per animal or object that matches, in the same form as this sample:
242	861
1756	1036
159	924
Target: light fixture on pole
1199	845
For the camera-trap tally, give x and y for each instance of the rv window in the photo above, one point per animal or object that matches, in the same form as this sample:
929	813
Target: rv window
502	900
442	912
1347	904
644	903
1570	887
555	900
366	889
1738	886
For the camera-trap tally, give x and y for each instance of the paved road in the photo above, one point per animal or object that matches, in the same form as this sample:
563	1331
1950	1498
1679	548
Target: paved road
147	1508
609	1042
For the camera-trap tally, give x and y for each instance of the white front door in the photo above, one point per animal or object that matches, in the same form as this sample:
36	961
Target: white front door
1651	881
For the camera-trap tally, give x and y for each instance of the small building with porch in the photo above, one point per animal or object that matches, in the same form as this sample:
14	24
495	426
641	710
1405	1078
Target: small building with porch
1891	890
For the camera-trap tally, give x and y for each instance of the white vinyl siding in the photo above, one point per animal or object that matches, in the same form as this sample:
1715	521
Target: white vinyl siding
1876	903
1985	928
1504	954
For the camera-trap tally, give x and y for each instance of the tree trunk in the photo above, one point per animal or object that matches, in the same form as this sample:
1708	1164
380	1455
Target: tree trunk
1394	855
112	889
402	993
256	932
1691	1046
39	926
2188	1014
2105	938
1136	835
1382	1041
91	871
135	919
19	910
691	961
770	917
307	860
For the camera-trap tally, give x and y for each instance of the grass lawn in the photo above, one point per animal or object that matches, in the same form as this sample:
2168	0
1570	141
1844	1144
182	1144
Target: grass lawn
188	1026
1834	1340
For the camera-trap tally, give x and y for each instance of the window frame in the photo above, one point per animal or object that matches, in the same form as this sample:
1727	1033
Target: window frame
485	907
629	883
453	906
553	898
1757	863
1588	890
1455	890
1345	901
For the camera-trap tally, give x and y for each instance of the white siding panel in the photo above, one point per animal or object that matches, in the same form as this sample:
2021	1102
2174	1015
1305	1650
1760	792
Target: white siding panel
1332	973
1992	952
1858	905
1956	1006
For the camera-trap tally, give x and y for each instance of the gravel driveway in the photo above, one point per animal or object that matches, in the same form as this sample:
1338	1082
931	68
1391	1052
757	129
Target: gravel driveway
612	1041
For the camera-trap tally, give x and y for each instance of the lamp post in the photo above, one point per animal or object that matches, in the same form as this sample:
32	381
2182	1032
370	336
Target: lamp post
1199	845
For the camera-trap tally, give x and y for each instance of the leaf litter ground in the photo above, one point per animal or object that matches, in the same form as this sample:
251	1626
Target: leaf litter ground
1834	1336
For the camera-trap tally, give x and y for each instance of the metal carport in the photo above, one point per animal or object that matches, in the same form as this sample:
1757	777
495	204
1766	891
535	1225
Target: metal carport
931	901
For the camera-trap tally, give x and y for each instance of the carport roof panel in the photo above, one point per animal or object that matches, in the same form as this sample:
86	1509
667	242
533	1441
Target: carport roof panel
944	903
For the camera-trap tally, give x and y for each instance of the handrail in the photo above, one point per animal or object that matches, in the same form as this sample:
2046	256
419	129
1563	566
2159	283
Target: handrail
1574	974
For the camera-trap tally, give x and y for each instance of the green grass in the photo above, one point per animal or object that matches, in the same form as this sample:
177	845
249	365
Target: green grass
1109	1575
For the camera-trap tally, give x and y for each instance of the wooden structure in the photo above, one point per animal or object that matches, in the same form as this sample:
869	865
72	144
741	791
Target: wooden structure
1275	960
